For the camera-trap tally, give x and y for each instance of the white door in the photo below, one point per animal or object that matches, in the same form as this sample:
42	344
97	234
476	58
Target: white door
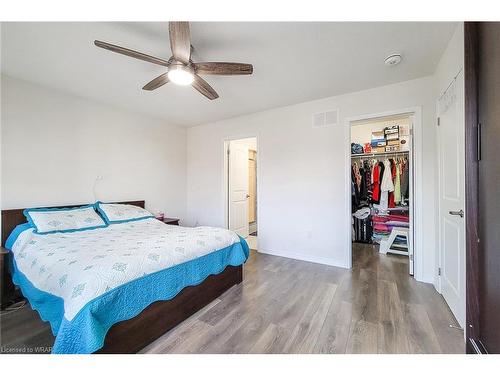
238	188
451	197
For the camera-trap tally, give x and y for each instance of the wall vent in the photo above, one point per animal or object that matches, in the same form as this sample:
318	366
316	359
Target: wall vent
324	119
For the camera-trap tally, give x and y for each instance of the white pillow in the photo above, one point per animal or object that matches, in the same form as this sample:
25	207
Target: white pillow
52	220
114	213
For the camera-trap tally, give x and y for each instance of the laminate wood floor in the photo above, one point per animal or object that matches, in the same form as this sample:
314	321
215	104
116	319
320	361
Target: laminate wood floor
290	306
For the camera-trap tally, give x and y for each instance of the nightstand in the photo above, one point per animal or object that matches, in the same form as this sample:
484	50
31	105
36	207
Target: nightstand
6	286
170	220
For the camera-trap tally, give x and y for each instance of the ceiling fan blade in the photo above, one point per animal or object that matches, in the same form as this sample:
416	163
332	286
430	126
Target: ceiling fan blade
223	68
204	88
157	82
131	53
180	41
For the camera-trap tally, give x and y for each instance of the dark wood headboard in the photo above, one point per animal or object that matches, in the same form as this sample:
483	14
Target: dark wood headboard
12	218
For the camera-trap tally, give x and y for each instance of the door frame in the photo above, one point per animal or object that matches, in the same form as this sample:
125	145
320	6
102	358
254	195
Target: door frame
417	186
472	267
256	198
225	175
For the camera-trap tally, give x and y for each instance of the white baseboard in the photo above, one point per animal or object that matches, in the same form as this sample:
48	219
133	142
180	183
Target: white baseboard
426	279
306	258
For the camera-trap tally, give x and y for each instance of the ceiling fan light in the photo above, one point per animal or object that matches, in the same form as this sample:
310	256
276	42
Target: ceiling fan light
180	76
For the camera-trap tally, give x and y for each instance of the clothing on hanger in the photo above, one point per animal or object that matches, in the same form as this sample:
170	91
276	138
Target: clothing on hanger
397	184
405	180
387	184
377	172
354	191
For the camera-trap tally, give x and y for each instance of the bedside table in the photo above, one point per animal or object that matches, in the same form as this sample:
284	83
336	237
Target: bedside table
6	286
170	220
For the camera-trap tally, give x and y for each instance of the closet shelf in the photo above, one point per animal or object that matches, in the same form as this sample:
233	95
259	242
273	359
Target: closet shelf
371	154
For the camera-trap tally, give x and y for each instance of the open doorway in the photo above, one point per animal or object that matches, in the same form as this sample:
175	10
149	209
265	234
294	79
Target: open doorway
241	188
382	198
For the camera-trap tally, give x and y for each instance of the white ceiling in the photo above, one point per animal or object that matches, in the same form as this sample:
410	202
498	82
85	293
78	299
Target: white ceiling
293	62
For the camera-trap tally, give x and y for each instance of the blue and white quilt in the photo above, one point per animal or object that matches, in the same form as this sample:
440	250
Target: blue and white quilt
84	282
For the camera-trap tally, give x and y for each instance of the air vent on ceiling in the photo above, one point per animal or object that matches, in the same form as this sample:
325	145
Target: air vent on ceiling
324	119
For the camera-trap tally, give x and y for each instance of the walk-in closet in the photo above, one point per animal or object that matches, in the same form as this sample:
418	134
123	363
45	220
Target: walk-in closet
381	186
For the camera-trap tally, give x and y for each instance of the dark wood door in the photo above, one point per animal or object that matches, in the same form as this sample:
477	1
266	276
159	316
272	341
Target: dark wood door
482	125
489	185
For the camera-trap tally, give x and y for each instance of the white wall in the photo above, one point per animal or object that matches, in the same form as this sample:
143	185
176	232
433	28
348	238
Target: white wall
54	145
302	177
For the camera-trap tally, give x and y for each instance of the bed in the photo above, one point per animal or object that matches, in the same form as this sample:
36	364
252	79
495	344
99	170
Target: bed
116	289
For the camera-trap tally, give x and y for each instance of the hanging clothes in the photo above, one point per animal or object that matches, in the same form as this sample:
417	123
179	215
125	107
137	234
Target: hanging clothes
354	191
361	184
397	184
363	191
384	202
380	187
387	184
377	172
392	204
372	177
368	181
357	175
405	180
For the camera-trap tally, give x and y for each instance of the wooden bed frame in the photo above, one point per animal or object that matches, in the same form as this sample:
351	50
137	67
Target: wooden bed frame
132	335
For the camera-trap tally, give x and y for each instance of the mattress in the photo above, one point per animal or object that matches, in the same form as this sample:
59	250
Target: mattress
83	282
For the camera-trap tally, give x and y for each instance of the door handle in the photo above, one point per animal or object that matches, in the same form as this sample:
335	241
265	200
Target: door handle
248	196
457	213
479	140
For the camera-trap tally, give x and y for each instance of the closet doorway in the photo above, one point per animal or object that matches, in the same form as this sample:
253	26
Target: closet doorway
382	188
241	188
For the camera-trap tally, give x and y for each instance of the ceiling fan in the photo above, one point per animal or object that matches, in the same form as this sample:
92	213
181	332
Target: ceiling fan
181	70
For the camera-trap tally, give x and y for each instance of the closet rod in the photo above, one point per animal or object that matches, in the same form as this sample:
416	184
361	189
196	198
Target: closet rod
372	154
